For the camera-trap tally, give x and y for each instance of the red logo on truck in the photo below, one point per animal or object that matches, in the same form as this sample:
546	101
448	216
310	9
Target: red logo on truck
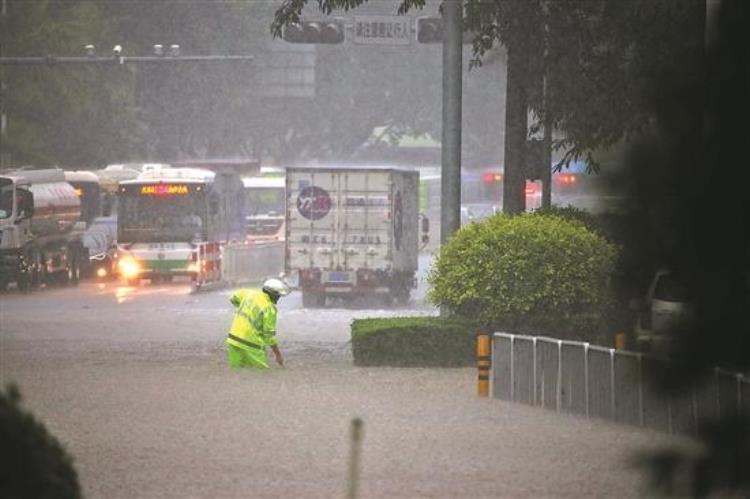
313	203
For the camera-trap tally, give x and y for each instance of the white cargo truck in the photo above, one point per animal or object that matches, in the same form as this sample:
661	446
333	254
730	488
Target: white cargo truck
352	232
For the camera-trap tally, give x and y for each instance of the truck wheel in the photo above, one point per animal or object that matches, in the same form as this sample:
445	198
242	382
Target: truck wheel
74	274
61	277
402	297
313	300
386	300
70	276
35	273
44	277
24	284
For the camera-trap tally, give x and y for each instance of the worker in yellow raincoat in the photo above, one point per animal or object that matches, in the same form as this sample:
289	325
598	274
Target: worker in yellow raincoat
254	325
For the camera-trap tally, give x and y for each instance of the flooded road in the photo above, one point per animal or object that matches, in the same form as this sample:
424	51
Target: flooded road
133	381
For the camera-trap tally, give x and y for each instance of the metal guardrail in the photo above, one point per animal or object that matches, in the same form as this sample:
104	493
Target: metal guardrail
251	263
580	378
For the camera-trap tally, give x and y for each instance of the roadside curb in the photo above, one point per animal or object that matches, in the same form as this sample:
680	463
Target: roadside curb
208	286
215	286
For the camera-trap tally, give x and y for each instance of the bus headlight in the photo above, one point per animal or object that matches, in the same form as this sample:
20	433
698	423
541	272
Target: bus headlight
101	272
129	268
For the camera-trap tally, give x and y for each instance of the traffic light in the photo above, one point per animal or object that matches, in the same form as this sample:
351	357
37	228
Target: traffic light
430	30
314	32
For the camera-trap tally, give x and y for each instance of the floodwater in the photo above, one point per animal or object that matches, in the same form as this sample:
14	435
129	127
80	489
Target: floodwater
133	381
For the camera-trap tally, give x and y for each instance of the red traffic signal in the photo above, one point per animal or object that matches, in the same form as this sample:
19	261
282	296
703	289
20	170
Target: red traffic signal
314	32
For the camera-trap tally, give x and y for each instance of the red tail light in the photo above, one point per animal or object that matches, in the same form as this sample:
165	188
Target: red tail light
489	177
566	179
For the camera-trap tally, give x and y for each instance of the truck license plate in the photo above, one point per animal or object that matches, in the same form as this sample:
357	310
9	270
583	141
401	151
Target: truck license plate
338	277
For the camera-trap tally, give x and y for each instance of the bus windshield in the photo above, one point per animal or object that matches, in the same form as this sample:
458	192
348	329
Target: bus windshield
266	200
144	218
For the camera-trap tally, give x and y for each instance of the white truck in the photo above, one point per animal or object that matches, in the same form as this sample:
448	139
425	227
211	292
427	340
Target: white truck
352	232
265	208
40	229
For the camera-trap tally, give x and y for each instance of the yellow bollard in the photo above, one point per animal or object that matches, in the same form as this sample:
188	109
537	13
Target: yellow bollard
620	341
484	361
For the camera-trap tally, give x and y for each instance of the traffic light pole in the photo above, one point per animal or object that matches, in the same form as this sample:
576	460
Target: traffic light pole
3	116
53	60
451	136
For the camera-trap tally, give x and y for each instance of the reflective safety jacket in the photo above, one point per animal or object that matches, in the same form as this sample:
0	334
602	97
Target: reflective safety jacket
254	325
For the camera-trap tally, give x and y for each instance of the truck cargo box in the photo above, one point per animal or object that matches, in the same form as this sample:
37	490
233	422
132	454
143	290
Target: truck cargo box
352	229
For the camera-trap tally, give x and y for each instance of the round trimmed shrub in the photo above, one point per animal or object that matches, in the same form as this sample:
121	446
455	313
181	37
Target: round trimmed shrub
530	273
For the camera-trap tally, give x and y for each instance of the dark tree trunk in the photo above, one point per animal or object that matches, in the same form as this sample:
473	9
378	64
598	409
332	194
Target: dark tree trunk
514	178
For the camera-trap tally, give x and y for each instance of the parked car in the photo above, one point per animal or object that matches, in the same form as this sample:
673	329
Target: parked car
666	309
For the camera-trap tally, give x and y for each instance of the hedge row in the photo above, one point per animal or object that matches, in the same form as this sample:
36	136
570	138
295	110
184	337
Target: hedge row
413	342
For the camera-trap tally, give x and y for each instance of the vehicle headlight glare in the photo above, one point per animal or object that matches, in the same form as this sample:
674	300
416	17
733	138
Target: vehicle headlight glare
129	268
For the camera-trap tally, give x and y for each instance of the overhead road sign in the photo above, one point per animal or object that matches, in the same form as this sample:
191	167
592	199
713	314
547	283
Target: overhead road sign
382	30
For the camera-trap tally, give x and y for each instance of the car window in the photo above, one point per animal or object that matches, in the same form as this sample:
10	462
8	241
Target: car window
669	288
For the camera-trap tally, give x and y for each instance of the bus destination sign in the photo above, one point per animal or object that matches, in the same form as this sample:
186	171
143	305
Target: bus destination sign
165	189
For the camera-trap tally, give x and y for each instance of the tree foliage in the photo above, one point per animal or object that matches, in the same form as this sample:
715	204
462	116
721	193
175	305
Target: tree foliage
690	176
33	463
598	57
60	113
86	115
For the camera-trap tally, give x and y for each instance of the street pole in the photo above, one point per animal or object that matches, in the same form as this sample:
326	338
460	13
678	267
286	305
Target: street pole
3	115
451	136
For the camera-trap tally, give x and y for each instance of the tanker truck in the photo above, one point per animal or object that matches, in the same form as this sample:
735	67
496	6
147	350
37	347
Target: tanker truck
40	231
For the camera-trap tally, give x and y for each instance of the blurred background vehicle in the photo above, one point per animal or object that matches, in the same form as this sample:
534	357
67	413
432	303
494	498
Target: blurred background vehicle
666	309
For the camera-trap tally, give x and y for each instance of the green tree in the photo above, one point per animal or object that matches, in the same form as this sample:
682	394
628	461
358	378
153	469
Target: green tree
598	58
76	116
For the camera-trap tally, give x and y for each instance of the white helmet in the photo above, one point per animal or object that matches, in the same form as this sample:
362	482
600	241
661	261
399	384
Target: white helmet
276	286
